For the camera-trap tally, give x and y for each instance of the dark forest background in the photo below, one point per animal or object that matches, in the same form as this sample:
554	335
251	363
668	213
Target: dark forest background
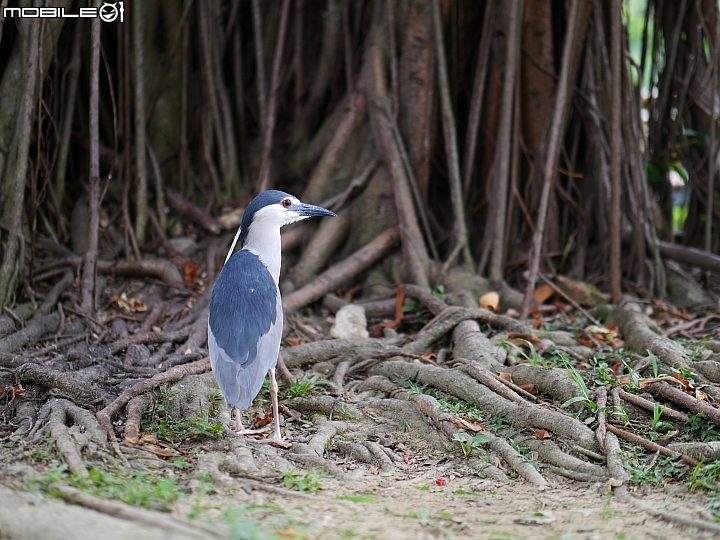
518	139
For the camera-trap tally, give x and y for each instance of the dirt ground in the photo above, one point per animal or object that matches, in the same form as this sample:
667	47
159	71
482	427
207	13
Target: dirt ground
436	494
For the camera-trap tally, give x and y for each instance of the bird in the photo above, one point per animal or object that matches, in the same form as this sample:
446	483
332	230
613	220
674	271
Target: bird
245	317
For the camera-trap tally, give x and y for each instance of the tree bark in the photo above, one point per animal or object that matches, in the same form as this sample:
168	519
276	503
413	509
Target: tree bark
141	191
30	44
89	270
616	29
497	262
577	25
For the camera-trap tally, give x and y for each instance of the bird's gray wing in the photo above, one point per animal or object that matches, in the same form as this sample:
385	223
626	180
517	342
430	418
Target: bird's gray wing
244	327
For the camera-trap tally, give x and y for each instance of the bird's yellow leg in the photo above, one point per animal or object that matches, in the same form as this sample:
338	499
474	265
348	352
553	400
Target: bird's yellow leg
275	408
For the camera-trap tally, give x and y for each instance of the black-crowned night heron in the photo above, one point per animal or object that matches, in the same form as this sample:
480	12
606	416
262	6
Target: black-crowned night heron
246	316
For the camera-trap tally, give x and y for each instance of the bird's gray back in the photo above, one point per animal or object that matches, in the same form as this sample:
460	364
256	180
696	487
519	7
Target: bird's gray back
244	327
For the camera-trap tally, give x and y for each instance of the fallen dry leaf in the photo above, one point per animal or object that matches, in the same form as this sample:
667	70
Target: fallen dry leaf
490	301
543	293
192	273
262	421
294	342
522	340
464	424
128	305
542	434
505	376
537	321
530	388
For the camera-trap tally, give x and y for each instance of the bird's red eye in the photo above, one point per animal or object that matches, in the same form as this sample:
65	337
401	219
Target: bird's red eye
286	203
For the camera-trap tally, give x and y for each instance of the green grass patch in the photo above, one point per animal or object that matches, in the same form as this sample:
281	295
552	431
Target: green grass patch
358	499
303	481
159	421
136	488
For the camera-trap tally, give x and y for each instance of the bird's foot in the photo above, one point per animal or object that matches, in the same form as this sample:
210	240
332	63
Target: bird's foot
278	442
250	432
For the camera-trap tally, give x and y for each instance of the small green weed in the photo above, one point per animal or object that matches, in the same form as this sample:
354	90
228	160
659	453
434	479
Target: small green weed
577	378
706	476
603	373
699	427
658	424
653	363
302	481
358	499
533	358
469	443
305	386
653	471
496	423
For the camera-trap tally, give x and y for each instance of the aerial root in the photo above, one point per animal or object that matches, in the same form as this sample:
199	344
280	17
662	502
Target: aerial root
486	377
381	456
368	452
445	322
326	350
555	382
639	401
670	393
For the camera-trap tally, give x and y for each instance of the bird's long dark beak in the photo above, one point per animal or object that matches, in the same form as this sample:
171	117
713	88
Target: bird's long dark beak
310	210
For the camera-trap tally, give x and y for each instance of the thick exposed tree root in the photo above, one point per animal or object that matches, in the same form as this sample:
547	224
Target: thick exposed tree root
640	337
555	382
175	374
470	343
443	421
23	517
551	453
450	319
125	511
53	418
321	351
64	382
29	335
456	383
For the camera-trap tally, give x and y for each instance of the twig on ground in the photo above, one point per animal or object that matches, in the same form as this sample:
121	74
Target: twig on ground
649	445
643	403
665	391
601	429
